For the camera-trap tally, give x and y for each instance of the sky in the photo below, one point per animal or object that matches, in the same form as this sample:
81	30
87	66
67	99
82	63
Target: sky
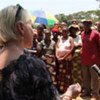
54	6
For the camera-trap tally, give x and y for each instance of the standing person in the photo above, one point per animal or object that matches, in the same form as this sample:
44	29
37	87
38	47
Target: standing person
74	22
64	48
55	31
47	50
34	50
76	72
81	27
40	35
97	24
90	55
23	77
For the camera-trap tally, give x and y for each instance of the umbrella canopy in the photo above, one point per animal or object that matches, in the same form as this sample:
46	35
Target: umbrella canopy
42	17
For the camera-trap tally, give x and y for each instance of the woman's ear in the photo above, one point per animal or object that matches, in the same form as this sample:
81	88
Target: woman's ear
20	27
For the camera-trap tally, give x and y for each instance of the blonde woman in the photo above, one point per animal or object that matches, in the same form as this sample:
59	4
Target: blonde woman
22	77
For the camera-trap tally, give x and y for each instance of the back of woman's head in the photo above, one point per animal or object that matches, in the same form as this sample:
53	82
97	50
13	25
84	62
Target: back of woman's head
9	16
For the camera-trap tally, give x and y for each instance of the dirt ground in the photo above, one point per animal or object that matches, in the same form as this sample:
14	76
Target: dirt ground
79	98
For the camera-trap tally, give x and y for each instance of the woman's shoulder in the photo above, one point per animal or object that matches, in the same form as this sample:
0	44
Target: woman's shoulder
70	38
28	74
32	63
26	65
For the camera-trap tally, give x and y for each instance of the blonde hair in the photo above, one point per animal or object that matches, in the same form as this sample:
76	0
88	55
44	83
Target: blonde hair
7	23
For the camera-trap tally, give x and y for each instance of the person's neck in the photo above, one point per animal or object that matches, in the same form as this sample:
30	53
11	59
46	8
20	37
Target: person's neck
47	39
14	45
73	35
10	52
64	37
88	31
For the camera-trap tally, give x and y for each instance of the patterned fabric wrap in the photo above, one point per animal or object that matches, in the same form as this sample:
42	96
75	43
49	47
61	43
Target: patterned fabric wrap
64	75
48	55
76	72
50	61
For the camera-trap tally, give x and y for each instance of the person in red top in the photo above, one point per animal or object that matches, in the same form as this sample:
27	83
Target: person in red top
90	55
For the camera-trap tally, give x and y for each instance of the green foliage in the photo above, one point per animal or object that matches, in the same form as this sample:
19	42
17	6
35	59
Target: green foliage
94	15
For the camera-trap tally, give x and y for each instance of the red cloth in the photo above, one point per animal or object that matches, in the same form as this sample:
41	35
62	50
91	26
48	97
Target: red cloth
90	48
55	29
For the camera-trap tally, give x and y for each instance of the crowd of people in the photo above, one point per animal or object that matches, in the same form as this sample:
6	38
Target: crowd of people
47	64
69	52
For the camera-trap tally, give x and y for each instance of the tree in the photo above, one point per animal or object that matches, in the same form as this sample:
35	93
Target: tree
92	14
